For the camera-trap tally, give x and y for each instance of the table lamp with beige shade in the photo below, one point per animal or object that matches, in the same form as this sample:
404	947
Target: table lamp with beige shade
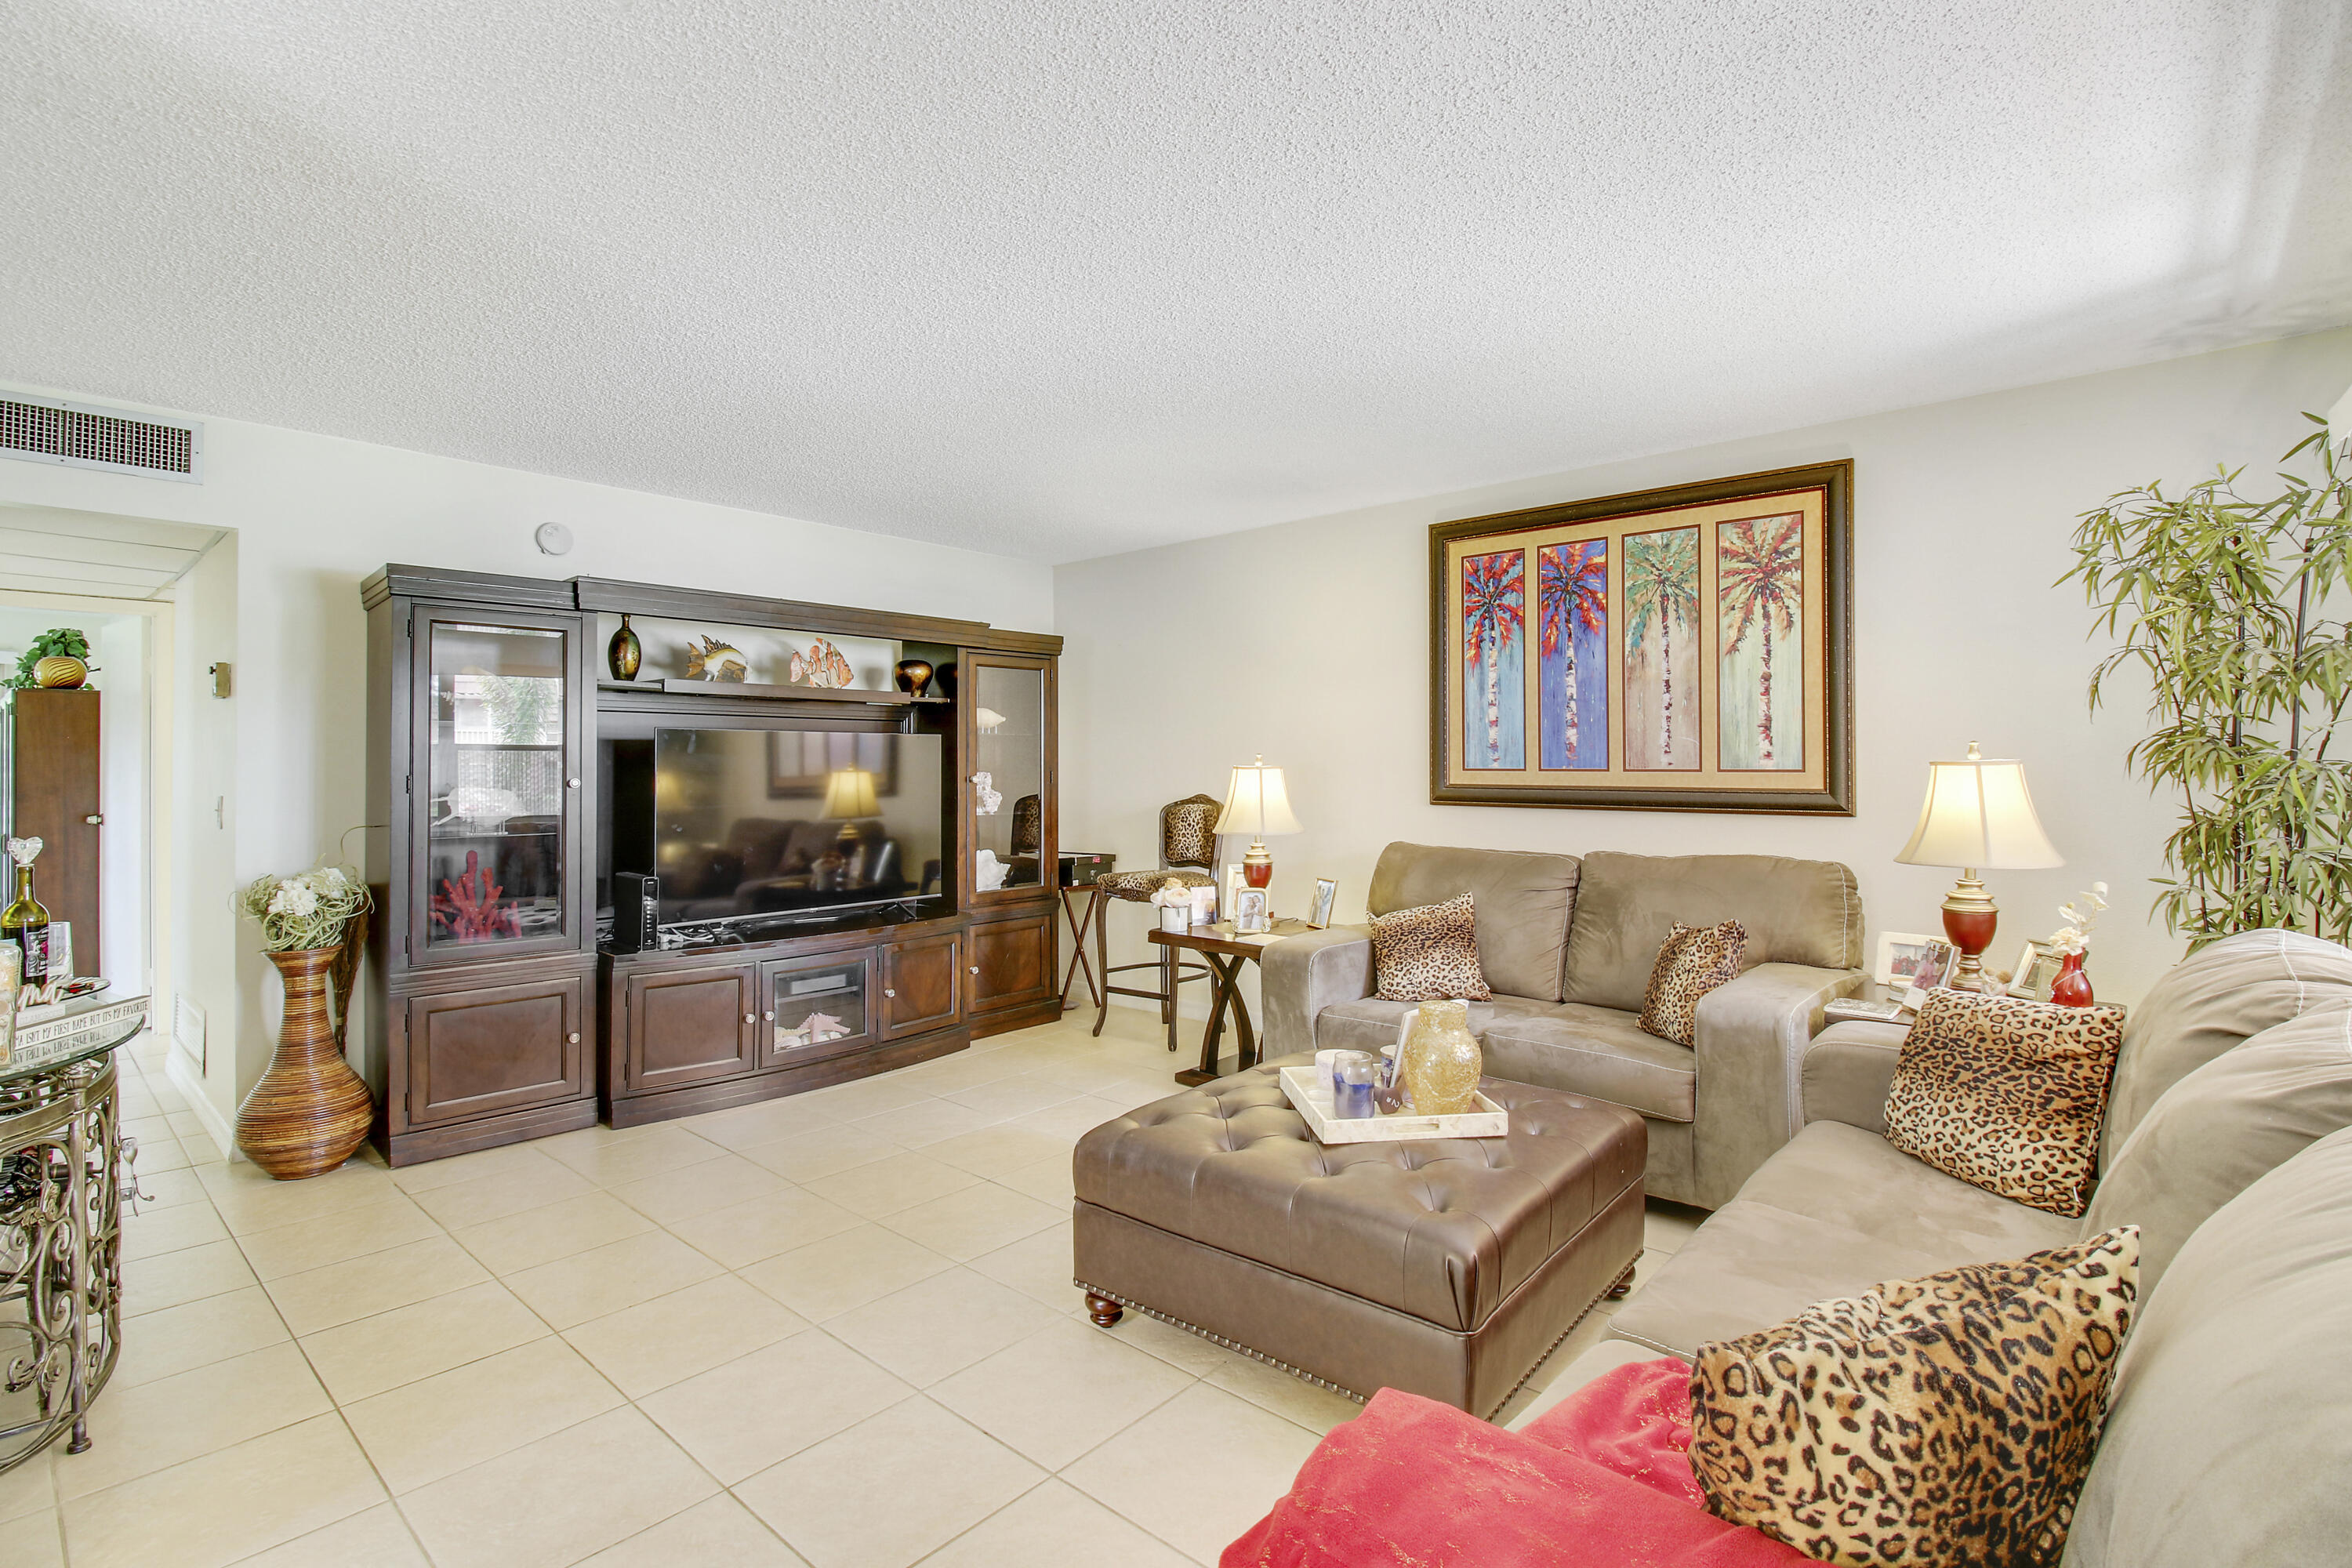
1257	804
1977	817
849	796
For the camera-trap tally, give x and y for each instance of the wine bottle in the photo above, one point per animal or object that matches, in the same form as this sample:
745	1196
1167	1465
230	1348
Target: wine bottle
25	921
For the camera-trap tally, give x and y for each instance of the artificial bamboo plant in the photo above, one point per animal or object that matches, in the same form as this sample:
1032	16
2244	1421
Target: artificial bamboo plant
2224	603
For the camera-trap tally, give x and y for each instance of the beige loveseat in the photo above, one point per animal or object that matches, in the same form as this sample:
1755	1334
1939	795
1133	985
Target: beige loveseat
2228	1141
1567	945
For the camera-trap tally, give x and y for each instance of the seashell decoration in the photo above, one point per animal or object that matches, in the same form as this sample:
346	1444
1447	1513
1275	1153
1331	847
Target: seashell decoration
822	664
710	659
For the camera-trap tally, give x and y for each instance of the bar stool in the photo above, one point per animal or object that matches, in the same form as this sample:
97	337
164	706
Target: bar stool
1188	848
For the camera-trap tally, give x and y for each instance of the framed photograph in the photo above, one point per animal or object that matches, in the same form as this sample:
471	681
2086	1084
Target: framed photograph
1252	912
2036	967
1680	650
799	760
1909	962
1327	893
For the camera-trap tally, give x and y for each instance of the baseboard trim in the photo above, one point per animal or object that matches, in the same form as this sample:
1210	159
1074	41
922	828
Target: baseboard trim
180	1068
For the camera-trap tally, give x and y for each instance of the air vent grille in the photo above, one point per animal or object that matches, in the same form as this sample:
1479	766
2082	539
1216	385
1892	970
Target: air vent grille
42	430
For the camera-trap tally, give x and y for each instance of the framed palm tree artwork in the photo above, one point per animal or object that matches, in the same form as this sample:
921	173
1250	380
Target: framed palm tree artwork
1680	650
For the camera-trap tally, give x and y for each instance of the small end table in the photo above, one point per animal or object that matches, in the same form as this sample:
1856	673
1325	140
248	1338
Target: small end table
1224	952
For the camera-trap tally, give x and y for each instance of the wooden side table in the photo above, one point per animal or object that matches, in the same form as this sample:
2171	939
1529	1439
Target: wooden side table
1224	953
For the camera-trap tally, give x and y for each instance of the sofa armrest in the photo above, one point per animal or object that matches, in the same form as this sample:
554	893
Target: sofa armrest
1751	1045
1848	1070
1301	975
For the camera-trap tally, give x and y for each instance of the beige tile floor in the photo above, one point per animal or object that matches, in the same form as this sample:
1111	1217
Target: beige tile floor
837	1330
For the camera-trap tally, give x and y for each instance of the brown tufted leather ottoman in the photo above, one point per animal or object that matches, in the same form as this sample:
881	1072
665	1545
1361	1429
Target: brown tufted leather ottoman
1446	1267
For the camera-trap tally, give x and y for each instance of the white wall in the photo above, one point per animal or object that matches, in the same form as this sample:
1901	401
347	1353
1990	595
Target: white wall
313	515
203	844
1309	641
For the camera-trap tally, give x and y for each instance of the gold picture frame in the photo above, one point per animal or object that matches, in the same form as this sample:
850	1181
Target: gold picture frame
2036	967
1688	649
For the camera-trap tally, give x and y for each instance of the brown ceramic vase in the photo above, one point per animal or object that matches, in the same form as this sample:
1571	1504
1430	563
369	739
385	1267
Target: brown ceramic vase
310	1112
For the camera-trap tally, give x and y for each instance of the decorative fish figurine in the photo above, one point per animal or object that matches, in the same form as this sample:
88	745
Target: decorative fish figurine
710	659
822	664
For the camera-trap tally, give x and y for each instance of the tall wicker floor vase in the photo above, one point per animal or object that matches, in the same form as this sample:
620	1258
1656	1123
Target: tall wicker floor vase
310	1111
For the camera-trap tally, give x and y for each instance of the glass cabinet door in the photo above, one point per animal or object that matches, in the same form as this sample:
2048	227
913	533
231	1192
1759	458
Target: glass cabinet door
499	788
1009	707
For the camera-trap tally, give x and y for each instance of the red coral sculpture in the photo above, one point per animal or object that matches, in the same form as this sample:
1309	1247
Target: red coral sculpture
470	909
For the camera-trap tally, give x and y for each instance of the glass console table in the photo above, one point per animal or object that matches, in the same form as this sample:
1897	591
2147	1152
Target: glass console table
61	1181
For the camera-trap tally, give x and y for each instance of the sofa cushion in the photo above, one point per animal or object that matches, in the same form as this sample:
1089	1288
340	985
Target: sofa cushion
2006	1094
1795	911
1413	1482
1372	1024
1691	962
1831	1213
1429	953
2212	1134
1525	902
2226	1445
1946	1422
1598	1052
2209	1002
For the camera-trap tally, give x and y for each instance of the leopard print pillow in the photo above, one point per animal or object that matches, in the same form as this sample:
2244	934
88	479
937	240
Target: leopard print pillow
1691	962
2007	1094
1429	954
1946	1422
1188	832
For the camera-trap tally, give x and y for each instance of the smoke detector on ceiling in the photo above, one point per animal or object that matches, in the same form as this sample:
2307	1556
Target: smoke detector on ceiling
83	435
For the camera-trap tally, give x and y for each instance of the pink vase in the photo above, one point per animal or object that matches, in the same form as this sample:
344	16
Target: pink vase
2073	988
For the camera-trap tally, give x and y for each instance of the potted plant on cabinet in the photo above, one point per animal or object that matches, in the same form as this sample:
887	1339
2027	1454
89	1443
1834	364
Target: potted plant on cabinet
310	1111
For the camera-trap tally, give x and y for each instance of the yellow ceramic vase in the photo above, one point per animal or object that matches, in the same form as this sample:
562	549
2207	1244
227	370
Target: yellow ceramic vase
61	670
1440	1060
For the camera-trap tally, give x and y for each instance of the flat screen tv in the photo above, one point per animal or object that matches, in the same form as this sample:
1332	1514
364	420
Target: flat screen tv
752	822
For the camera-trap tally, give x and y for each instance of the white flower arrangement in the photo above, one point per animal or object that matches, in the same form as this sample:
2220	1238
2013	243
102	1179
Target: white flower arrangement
1173	894
2081	916
312	908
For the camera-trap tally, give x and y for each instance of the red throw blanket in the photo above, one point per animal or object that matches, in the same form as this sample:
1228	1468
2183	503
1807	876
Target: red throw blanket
1601	1480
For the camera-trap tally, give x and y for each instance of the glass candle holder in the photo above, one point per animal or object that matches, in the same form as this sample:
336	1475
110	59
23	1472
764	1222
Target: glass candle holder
1352	1088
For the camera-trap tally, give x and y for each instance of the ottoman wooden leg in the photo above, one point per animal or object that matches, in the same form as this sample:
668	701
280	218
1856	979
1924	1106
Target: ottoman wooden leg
1615	1292
1103	1311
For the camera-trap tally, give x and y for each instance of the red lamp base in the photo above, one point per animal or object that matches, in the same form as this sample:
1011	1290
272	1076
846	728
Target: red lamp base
1257	866
1970	929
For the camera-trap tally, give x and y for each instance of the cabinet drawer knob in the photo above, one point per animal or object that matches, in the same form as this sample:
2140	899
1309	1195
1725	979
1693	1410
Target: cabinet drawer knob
770	1018
571	784
890	993
95	820
748	1020
974	970
573	1038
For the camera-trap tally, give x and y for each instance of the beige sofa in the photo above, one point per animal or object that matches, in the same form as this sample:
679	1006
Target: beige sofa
2228	1141
1567	945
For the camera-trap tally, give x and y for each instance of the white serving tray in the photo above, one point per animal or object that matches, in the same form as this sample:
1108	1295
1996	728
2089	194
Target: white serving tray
1305	1088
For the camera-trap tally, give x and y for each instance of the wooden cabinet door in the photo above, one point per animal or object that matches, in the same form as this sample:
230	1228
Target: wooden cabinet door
1011	964
498	799
686	1025
1016	749
923	984
496	1048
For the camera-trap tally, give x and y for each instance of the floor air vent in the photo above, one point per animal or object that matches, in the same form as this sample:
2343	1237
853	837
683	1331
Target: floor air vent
43	430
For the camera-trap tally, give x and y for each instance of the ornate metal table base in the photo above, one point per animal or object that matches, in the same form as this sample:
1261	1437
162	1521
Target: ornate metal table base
60	1252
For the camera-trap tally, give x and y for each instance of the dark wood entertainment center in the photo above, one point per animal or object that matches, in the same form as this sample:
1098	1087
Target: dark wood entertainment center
497	1012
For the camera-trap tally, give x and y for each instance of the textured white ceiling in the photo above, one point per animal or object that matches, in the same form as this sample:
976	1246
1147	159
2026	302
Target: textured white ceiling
1062	277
